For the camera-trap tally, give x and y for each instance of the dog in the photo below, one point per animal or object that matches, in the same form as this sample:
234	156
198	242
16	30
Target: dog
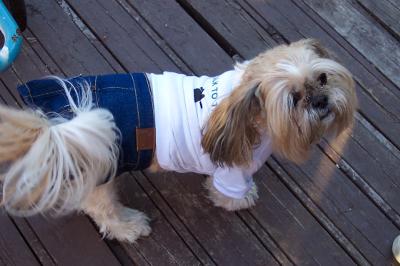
282	101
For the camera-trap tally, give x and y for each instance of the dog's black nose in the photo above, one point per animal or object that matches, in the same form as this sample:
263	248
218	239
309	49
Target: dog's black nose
319	101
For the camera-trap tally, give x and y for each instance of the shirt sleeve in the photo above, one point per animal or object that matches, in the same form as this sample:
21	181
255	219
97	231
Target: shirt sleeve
232	182
236	182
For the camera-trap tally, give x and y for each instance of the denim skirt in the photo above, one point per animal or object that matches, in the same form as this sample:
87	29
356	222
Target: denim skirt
127	96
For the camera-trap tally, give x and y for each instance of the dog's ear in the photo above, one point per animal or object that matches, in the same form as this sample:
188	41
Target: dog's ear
231	132
318	48
315	46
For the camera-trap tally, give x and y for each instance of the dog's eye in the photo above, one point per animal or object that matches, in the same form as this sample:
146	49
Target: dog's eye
296	96
323	79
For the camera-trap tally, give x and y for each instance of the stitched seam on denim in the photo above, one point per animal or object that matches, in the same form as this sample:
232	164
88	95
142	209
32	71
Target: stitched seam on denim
26	99
29	91
121	88
138	116
151	94
58	91
48	93
154	119
137	105
95	91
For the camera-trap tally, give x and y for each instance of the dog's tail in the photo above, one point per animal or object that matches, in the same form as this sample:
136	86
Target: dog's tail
53	162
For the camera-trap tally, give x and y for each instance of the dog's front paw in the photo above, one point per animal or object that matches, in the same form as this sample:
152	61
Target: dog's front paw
127	226
228	203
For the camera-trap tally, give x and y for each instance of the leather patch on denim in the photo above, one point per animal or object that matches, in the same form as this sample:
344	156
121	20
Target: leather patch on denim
145	138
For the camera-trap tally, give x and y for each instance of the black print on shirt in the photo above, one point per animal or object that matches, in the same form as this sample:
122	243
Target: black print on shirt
198	96
214	92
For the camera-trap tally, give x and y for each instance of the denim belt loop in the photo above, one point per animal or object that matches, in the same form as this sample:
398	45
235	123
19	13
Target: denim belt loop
145	129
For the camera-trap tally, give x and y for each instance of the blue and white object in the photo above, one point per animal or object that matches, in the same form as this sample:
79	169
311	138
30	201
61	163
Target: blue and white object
12	38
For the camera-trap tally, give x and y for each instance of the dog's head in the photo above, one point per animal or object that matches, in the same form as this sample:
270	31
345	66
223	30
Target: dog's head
295	92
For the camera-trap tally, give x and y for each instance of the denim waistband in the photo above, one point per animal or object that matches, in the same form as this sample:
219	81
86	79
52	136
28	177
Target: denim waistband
127	96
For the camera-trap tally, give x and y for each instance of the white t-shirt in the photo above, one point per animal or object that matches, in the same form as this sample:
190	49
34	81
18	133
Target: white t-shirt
182	105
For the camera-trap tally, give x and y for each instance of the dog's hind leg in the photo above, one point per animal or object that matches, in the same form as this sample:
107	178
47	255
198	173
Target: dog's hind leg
114	220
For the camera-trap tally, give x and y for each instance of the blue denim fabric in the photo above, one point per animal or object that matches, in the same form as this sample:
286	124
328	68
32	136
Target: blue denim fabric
127	96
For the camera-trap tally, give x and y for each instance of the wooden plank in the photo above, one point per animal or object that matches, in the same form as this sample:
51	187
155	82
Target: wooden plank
13	249
317	212
371	160
394	2
184	36
94	40
224	21
63	40
164	240
370	38
294	229
359	181
33	241
228	245
264	237
72	240
6	96
134	50
346	206
386	12
11	81
154	36
178	225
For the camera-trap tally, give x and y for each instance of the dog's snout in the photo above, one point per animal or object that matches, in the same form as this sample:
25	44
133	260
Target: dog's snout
319	101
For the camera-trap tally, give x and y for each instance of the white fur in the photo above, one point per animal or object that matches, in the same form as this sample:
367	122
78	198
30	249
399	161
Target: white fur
228	203
115	221
65	162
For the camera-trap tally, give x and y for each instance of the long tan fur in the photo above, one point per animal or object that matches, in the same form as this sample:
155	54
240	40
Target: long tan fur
231	130
264	99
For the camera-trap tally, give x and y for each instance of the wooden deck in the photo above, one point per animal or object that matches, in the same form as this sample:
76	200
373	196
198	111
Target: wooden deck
342	207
